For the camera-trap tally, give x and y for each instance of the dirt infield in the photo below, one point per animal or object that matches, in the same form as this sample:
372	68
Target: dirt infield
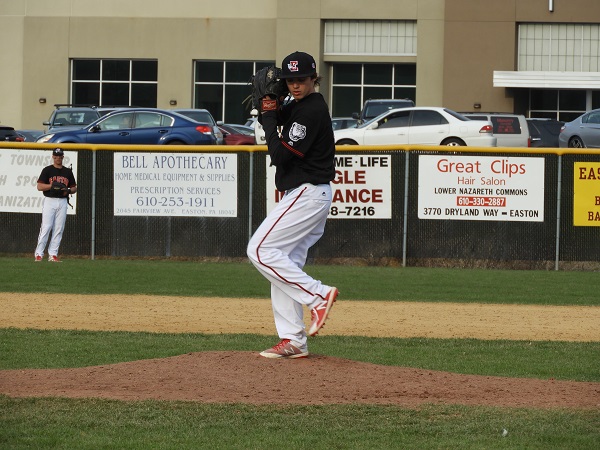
249	378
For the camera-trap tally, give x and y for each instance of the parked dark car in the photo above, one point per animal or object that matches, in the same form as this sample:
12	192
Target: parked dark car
544	132
237	134
30	135
146	126
9	134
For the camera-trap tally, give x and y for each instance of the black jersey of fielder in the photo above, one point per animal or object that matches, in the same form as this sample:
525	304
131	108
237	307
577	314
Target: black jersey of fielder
50	174
306	150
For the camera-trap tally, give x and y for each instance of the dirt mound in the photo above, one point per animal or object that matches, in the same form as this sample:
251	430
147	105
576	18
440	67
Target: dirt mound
246	377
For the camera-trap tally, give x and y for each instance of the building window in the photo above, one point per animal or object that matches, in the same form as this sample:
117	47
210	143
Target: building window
354	83
371	37
562	104
115	82
559	47
222	87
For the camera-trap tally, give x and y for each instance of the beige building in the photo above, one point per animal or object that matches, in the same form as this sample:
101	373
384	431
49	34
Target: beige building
536	57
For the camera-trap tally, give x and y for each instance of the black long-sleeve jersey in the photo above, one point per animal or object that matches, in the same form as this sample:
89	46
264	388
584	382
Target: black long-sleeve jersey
63	175
306	150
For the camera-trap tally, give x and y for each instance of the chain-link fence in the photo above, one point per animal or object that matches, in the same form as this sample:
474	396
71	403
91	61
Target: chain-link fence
403	238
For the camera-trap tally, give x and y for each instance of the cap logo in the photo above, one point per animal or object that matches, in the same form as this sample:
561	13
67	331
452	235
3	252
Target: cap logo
293	66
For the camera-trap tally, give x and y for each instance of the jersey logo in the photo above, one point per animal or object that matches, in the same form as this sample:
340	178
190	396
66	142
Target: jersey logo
297	132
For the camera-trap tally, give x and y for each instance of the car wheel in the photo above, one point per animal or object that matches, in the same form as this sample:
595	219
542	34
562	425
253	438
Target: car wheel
346	142
453	142
176	143
576	142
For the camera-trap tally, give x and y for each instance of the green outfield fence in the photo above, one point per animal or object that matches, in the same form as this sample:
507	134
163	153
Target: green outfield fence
404	239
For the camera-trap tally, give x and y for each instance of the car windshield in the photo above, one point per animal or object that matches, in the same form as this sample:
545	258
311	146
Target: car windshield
79	118
370	121
377	108
6	132
380	116
593	118
457	115
243	130
198	116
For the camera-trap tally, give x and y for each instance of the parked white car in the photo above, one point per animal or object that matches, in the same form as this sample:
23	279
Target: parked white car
259	134
419	125
339	123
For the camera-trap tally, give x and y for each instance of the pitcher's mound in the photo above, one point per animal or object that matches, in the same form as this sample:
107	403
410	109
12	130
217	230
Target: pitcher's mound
245	377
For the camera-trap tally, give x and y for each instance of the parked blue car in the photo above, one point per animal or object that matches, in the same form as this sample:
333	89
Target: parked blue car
144	126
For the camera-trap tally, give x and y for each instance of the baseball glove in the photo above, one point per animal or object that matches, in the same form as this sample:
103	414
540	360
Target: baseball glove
268	90
59	189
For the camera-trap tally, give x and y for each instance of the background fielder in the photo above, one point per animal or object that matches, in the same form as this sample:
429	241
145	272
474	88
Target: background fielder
57	183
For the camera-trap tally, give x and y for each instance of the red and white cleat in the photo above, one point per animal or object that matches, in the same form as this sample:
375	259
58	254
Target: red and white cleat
285	349
320	312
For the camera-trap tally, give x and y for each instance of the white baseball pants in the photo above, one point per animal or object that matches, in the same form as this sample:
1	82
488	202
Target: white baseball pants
54	216
278	249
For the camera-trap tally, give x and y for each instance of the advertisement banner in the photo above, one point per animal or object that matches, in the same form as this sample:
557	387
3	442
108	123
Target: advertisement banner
175	184
19	172
362	188
586	189
481	188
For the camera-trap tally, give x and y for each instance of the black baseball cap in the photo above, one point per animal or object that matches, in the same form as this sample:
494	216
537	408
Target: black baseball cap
298	65
58	152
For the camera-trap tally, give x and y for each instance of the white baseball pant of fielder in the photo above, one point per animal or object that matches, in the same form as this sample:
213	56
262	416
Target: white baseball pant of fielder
54	216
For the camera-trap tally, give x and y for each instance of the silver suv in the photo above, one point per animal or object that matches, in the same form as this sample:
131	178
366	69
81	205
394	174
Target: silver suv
69	117
511	130
374	107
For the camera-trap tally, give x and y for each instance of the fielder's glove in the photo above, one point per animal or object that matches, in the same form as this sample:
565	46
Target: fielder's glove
59	189
268	90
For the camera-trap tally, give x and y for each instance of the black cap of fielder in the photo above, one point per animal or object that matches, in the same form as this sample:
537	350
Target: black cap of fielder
298	65
58	152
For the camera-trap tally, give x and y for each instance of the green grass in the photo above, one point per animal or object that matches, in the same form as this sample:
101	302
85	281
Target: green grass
187	278
64	348
96	424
